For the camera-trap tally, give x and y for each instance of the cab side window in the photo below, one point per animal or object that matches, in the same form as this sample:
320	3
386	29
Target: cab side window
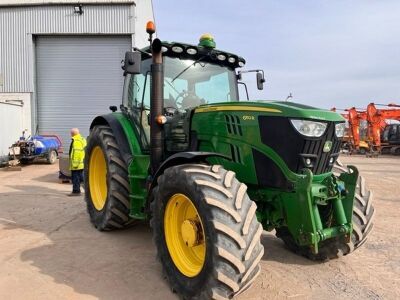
138	95
139	90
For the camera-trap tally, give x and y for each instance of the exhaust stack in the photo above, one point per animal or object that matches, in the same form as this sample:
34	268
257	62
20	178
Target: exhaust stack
156	106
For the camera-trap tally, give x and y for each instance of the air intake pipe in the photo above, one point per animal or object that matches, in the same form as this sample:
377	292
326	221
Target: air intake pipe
156	106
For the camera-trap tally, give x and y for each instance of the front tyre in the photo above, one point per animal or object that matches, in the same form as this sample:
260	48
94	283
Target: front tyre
106	181
206	232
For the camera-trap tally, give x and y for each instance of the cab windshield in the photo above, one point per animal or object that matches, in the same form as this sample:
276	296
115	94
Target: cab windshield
187	84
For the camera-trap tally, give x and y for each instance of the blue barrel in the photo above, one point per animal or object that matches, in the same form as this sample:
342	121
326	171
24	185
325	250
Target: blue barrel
44	143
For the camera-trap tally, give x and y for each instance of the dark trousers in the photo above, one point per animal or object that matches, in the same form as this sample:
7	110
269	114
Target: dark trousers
77	178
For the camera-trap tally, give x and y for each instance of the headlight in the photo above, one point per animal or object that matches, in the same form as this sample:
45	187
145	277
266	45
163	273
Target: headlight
309	128
340	128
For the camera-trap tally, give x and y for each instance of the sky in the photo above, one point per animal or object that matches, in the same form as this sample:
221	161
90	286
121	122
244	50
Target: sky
326	53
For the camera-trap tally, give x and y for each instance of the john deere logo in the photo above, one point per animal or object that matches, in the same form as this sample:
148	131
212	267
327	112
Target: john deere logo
327	146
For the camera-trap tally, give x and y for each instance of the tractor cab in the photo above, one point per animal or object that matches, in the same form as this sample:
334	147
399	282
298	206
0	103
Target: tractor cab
192	76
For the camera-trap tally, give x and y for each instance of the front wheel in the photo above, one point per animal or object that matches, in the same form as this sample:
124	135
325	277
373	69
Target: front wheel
206	232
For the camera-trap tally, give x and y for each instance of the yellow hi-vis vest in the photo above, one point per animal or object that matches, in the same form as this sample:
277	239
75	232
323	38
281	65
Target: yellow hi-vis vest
77	152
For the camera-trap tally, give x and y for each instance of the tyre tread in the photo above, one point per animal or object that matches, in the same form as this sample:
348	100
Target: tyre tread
115	214
233	220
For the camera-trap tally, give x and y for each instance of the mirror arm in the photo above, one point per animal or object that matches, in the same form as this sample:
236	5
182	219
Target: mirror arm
245	87
143	52
251	71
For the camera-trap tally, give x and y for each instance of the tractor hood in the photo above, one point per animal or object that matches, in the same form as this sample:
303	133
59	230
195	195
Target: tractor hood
278	108
259	136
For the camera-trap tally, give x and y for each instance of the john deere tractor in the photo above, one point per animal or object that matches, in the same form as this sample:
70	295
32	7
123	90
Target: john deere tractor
211	172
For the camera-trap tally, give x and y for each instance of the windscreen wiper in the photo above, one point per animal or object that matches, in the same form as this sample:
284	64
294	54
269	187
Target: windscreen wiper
185	69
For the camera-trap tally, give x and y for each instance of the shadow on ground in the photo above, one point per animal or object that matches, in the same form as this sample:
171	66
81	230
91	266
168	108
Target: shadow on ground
275	250
107	265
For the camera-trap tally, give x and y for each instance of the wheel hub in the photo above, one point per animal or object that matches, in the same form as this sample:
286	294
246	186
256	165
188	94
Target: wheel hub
184	235
191	232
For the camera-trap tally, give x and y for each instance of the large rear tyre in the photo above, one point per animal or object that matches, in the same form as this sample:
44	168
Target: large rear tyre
363	221
106	181
206	232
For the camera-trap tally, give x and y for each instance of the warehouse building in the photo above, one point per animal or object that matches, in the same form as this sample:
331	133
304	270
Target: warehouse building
60	62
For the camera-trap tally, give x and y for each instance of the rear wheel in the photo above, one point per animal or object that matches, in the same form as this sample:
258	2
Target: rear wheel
395	150
206	232
363	215
52	157
106	181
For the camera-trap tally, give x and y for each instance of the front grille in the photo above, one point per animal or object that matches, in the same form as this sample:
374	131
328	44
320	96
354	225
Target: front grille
279	134
314	148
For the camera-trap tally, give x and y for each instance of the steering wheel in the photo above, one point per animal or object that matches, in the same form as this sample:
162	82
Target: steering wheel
189	99
179	99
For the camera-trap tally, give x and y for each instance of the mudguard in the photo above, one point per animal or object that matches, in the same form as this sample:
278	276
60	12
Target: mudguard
118	132
183	158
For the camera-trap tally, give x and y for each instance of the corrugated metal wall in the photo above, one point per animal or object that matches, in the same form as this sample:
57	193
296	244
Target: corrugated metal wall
11	122
18	24
78	78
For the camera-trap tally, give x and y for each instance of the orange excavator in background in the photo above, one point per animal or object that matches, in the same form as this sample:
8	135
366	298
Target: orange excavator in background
379	130
353	141
355	117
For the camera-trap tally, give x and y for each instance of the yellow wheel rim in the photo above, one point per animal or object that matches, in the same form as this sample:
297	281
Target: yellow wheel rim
98	178
184	235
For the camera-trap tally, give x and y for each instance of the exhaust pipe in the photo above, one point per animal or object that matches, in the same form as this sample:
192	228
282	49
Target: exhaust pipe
156	106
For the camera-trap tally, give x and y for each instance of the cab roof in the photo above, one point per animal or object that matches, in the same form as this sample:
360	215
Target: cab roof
196	52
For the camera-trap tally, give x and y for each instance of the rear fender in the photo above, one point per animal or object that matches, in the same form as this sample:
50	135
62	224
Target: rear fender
119	134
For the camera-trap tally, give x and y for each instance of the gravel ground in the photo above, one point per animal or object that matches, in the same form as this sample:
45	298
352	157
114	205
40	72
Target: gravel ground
49	250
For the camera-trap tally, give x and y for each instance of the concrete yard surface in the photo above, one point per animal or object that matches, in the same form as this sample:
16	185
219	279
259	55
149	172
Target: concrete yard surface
50	250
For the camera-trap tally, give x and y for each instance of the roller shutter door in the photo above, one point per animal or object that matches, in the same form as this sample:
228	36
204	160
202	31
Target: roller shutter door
78	78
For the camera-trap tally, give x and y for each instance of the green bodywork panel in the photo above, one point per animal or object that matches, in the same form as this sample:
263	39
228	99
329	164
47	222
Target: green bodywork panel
210	124
299	209
138	169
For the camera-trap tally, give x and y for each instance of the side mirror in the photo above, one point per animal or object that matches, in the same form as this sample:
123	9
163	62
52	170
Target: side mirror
132	62
260	80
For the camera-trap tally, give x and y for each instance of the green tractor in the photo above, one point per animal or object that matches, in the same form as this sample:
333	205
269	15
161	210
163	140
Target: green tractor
211	172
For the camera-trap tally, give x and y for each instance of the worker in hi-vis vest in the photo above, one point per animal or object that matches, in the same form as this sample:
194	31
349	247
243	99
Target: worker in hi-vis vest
76	158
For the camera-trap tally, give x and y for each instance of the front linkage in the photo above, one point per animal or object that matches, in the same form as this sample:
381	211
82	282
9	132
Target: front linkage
333	197
316	212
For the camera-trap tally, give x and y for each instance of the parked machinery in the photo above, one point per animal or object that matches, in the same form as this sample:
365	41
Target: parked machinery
212	172
384	137
28	149
355	139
